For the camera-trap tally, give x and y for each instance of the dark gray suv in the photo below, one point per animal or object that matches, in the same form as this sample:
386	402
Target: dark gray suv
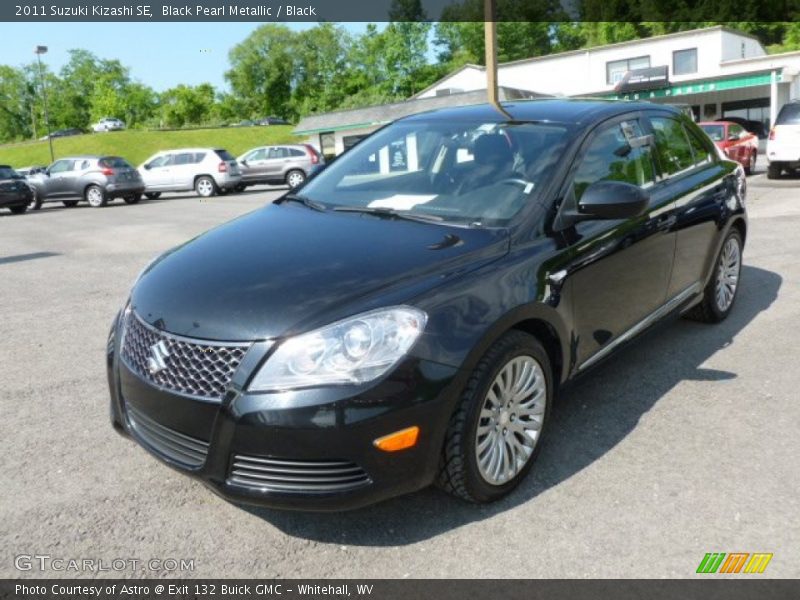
289	163
96	179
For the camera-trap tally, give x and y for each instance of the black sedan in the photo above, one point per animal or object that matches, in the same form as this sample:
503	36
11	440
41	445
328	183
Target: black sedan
392	324
15	194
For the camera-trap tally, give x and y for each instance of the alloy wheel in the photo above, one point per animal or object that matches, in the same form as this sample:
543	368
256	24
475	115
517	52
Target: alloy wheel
730	264
295	178
205	187
510	420
94	196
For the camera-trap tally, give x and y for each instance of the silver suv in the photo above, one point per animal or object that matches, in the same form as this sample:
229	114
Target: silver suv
289	164
207	171
96	179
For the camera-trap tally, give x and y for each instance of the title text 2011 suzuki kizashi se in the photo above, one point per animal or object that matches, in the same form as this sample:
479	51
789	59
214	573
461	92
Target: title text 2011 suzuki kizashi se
409	315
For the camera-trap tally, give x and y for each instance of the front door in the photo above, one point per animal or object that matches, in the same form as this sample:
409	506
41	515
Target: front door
57	182
619	269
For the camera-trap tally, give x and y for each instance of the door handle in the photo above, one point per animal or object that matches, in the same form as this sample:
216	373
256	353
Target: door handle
666	222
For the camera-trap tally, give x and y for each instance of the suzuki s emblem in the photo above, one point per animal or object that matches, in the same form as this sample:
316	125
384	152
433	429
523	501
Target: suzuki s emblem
159	353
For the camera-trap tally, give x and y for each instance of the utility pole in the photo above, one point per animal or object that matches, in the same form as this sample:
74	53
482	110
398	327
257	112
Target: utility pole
39	50
490	46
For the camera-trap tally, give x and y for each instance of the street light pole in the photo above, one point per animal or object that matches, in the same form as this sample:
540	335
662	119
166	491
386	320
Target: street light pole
490	48
39	50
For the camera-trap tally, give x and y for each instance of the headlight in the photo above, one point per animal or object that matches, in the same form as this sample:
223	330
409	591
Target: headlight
354	350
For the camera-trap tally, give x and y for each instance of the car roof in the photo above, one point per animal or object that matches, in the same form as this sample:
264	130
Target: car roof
722	122
172	150
573	111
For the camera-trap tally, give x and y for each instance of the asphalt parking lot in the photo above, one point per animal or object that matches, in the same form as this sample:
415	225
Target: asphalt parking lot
686	443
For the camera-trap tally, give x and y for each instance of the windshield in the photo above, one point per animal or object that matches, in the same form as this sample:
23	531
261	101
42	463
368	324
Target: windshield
8	173
469	172
715	132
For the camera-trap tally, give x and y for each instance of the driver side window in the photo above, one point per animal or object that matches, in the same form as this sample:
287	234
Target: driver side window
614	155
61	166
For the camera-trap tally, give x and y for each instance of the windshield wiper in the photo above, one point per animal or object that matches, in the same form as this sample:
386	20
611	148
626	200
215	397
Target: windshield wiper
391	213
304	200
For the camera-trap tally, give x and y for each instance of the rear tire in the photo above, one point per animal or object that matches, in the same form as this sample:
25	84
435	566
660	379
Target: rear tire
205	186
240	188
494	435
720	293
133	199
295	178
70	203
18	210
95	196
751	164
773	171
152	195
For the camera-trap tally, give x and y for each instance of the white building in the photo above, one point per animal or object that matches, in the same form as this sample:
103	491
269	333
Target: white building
717	71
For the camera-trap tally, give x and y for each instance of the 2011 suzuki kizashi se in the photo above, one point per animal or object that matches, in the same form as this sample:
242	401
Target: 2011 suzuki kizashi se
409	314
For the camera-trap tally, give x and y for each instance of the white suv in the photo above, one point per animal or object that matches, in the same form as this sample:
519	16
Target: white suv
207	171
783	145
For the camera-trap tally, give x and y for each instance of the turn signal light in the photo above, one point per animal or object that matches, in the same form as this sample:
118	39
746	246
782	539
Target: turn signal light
399	440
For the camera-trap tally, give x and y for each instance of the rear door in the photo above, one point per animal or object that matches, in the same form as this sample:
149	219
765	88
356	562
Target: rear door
693	174
277	157
184	169
620	268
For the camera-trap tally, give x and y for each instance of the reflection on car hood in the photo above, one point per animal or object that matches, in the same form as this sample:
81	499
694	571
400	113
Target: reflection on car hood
285	269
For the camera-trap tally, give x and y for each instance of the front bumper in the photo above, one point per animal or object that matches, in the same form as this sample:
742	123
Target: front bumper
303	450
16	198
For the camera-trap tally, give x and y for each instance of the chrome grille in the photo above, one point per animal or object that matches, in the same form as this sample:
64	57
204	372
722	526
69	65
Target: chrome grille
194	367
181	448
285	475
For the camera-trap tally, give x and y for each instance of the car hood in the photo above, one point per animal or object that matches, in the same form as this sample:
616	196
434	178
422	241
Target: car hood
287	268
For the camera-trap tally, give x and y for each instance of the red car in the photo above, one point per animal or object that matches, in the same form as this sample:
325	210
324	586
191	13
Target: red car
735	141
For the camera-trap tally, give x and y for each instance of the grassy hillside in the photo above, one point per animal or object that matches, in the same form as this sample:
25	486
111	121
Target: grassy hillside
136	146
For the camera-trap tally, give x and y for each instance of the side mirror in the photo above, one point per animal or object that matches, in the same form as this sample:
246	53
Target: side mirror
733	137
611	200
146	166
244	161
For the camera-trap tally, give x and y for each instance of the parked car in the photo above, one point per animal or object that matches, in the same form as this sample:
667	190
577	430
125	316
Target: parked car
736	142
272	121
63	133
207	171
108	124
783	145
96	179
15	194
31	170
382	330
755	127
289	164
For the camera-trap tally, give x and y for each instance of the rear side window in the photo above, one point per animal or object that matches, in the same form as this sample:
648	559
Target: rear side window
224	154
610	157
185	158
789	115
114	162
672	147
277	153
702	154
296	152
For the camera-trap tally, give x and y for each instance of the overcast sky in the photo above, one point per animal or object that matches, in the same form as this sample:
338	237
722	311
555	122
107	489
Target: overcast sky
160	55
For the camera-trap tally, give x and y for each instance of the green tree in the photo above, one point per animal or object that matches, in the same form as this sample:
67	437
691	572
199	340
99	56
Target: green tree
188	105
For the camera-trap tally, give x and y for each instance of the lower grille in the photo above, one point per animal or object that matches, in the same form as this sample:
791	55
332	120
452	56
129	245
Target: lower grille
284	475
183	449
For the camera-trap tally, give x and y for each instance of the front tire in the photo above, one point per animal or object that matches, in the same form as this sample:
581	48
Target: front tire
295	178
152	195
132	199
493	437
18	210
720	293
95	196
751	164
205	187
36	200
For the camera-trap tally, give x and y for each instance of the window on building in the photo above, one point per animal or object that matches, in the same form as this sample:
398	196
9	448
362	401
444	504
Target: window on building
327	142
616	69
684	62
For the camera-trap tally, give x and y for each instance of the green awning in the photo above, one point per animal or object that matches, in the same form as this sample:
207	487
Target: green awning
698	87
